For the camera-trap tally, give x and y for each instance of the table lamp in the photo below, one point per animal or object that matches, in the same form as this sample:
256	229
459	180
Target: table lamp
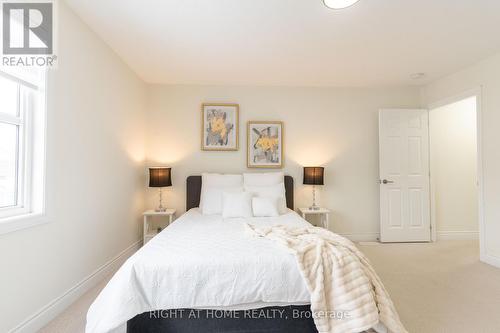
160	177
314	176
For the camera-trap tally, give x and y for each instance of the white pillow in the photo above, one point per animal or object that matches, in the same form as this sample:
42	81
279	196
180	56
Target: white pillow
263	179
221	180
273	192
236	204
212	186
265	207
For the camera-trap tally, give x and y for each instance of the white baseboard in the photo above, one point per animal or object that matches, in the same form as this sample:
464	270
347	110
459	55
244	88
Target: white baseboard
457	235
42	317
362	237
441	235
491	260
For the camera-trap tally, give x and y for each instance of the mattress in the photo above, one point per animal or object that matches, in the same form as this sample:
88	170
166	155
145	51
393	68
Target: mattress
202	262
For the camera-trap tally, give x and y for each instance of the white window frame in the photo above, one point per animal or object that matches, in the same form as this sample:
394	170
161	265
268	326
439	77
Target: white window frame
30	191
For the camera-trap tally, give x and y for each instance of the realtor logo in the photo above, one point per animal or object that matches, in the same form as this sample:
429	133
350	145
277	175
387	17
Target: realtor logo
27	28
28	33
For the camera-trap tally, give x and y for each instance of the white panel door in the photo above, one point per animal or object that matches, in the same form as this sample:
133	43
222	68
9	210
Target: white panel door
404	176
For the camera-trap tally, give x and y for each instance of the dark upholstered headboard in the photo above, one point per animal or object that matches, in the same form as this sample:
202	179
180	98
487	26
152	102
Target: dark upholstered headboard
193	191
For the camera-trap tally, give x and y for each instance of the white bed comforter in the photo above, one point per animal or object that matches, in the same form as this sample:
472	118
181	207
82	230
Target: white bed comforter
202	262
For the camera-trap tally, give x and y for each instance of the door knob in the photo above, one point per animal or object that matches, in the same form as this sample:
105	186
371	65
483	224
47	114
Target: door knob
385	181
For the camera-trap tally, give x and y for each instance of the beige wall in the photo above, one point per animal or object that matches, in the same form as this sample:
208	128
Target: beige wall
95	184
486	75
454	166
333	127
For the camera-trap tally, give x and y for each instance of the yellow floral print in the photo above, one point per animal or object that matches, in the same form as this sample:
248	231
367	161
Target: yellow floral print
218	126
267	143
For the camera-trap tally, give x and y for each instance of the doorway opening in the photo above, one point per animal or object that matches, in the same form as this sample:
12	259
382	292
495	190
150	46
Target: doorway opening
454	170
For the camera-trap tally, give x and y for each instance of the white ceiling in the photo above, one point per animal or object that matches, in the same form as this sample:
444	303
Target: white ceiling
295	42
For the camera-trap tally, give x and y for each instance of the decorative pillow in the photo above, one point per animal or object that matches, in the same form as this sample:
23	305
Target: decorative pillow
236	204
273	192
263	179
265	207
212	187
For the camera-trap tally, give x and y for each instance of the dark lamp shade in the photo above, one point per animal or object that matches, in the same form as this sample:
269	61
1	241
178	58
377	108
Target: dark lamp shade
160	177
314	175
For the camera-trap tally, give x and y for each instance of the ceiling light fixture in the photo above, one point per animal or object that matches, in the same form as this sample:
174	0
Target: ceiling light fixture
417	76
339	4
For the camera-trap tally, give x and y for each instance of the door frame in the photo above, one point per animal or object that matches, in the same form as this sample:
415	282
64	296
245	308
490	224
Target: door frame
476	92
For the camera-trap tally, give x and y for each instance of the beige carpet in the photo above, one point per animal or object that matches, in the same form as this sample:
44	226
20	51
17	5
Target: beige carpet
440	287
437	288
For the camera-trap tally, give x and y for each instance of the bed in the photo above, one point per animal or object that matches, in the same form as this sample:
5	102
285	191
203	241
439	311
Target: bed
205	274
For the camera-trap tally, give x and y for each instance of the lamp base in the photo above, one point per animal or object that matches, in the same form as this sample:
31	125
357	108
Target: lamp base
160	208
313	206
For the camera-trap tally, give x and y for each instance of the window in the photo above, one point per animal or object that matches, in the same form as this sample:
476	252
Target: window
22	143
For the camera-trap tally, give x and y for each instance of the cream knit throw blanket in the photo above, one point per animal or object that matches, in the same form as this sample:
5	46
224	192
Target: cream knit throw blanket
346	293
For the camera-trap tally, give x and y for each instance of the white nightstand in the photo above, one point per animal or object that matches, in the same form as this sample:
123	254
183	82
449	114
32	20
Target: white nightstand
323	212
149	232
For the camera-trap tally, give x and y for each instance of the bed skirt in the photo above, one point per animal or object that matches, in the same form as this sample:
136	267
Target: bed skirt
276	319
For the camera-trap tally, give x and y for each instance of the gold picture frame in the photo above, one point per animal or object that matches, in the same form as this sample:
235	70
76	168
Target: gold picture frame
220	127
270	134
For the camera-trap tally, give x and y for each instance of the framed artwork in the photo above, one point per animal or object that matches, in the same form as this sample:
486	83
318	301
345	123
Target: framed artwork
265	144
219	127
